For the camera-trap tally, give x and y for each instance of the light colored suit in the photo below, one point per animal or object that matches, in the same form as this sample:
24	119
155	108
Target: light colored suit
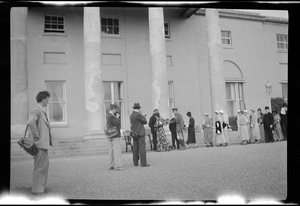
40	131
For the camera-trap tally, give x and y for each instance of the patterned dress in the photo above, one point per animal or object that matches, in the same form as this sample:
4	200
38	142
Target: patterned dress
162	142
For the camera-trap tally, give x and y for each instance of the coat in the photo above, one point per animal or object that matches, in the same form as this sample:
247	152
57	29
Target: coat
243	122
113	121
268	120
179	122
151	123
39	128
172	125
137	121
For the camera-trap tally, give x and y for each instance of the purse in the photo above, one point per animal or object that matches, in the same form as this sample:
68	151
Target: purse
28	145
111	132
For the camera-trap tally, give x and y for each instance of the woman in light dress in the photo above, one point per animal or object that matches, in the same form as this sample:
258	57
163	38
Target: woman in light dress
207	126
243	125
220	139
277	131
255	132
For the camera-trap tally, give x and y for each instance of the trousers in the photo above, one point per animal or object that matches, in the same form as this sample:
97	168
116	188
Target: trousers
115	152
40	171
139	151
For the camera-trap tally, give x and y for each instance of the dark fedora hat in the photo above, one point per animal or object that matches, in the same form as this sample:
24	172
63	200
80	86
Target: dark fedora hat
136	106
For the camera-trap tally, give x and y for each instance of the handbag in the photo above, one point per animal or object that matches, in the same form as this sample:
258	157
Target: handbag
28	145
111	132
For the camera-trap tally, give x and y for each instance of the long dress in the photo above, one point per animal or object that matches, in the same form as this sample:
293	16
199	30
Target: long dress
260	119
283	122
162	143
191	132
220	139
277	132
208	132
243	122
255	131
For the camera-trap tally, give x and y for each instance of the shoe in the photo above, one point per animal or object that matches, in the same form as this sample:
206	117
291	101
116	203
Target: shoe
120	168
111	168
147	165
47	190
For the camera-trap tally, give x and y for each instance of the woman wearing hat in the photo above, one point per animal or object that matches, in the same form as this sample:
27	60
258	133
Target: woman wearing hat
207	130
162	142
191	131
225	123
260	119
243	122
255	131
278	136
248	126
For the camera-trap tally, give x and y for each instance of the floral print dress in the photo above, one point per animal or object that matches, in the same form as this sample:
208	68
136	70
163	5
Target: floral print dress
162	142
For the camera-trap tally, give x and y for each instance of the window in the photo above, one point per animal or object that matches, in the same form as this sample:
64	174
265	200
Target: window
226	38
284	87
110	26
167	30
113	94
171	96
57	103
54	24
282	41
234	97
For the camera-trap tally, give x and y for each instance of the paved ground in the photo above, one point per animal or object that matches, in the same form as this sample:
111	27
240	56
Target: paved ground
252	171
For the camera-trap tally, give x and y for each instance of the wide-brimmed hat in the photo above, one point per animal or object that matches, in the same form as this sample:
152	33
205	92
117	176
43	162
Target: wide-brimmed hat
136	106
221	111
216	111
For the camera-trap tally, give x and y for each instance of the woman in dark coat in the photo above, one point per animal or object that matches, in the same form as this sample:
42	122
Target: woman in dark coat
191	131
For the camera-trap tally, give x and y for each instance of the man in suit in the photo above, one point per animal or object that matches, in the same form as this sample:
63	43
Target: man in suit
268	125
172	127
137	120
179	127
115	153
151	124
39	127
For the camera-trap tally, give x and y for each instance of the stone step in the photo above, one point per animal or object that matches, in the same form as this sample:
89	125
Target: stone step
79	147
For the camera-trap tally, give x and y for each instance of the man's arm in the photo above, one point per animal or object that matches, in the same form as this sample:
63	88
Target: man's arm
32	124
142	119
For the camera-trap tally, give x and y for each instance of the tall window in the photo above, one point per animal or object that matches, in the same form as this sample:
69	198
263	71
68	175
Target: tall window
282	41
57	112
226	38
234	97
54	24
113	94
171	96
110	26
167	30
284	87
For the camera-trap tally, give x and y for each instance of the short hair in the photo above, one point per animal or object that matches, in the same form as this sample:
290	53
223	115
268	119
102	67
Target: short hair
112	106
259	109
42	95
189	114
266	107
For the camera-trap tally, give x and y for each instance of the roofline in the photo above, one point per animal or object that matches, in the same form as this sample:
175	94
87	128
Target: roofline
229	13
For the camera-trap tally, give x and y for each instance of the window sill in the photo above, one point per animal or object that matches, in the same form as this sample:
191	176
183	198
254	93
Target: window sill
168	39
54	34
111	36
282	51
227	47
59	125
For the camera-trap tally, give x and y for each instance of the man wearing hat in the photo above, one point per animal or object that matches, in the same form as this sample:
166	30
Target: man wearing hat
151	124
179	127
137	120
268	125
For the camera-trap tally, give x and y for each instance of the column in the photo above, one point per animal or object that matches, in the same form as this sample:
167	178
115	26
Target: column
94	92
217	81
19	79
160	95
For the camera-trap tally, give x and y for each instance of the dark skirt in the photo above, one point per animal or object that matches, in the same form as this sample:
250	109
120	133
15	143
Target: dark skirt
191	136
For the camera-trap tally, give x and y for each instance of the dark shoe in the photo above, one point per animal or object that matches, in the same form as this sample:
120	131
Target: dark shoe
111	168
47	190
147	165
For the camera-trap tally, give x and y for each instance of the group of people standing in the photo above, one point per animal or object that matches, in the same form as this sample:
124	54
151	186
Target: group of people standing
259	127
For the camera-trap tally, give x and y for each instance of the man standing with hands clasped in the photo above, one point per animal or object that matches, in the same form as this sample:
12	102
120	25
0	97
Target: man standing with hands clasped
137	120
268	125
39	127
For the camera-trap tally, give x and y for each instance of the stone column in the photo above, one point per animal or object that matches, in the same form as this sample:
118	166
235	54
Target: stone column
160	96
19	78
217	80
94	92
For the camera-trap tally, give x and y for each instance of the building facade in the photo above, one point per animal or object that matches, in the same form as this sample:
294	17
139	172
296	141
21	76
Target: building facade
197	60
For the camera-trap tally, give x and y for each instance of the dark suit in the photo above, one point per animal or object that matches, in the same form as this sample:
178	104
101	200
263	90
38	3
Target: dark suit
172	127
139	146
151	124
39	126
268	121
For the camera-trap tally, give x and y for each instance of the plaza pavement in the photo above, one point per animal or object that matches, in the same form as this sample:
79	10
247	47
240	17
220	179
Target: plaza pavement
251	171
